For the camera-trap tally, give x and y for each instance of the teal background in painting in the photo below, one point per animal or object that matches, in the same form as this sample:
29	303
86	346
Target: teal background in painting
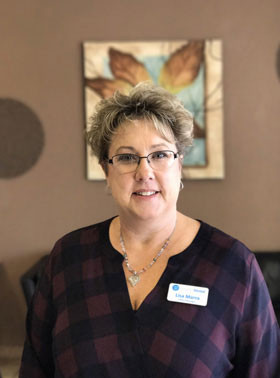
196	154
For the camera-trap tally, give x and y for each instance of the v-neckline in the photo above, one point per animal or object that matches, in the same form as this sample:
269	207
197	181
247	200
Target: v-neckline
113	253
124	284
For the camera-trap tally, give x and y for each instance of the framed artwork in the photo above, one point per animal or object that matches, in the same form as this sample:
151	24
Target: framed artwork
190	69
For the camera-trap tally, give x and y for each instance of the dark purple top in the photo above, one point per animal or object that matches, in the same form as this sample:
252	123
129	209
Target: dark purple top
81	323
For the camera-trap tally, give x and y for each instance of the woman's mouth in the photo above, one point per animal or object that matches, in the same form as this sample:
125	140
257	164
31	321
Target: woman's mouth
146	193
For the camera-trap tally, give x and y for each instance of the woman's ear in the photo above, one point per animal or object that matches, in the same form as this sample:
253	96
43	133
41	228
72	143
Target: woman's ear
181	161
104	167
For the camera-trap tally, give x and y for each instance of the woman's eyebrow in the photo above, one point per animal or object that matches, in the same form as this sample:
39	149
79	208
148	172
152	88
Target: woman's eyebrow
132	149
160	145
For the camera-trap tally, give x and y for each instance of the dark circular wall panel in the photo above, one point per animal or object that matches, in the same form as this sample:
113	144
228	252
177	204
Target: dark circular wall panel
21	138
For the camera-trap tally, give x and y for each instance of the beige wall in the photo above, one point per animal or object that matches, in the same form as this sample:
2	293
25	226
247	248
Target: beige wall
41	65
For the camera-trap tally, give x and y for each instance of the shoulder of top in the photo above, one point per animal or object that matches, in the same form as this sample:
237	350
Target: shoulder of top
83	233
223	240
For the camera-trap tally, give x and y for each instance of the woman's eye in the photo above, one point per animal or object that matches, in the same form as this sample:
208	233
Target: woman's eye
127	158
159	155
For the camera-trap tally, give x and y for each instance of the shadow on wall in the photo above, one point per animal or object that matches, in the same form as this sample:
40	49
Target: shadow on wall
11	327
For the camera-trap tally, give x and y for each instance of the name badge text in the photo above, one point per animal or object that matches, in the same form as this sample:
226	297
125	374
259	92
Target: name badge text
195	295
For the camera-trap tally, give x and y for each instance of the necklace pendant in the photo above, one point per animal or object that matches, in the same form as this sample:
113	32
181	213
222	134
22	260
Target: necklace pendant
134	279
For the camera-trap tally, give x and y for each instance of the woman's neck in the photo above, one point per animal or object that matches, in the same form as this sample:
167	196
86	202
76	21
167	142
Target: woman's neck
146	231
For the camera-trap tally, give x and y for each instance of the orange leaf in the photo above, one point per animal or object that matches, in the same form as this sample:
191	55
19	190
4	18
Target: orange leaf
182	67
126	67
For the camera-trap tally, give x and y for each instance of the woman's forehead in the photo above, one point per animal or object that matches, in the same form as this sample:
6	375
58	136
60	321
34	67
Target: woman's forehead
134	131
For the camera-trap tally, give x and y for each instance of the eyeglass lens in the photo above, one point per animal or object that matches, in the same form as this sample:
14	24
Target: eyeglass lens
158	160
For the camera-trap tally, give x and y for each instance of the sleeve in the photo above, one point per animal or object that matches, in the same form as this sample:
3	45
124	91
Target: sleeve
258	341
37	361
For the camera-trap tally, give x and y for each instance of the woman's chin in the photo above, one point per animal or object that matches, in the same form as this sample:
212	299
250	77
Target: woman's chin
149	213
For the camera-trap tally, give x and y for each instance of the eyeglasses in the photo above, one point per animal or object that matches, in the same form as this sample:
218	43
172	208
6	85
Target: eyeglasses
158	160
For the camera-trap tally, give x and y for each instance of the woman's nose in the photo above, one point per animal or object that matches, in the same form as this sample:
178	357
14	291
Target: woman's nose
144	171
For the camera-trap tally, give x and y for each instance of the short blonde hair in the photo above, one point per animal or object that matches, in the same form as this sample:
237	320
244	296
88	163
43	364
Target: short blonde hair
145	101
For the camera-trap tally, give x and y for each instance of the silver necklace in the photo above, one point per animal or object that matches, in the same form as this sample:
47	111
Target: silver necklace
135	277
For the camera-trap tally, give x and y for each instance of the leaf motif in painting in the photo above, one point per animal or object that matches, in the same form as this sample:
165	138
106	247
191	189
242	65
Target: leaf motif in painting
182	67
126	67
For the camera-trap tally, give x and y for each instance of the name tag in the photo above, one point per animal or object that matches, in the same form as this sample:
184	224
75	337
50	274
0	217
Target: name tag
195	295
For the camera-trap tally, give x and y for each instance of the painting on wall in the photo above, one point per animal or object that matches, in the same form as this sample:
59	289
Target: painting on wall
190	69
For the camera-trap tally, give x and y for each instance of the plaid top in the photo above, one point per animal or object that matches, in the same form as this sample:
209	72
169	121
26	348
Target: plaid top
81	323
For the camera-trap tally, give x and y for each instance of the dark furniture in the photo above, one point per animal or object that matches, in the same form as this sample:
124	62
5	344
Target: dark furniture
269	263
30	279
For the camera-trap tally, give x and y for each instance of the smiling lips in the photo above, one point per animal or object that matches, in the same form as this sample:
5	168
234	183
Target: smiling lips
146	193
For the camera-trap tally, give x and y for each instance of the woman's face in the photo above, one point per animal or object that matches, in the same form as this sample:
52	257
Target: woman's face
144	193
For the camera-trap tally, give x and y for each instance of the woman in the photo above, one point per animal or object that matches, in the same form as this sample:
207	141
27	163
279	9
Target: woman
150	292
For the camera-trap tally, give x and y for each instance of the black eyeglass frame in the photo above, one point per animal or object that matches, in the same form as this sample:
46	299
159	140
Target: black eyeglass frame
175	155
